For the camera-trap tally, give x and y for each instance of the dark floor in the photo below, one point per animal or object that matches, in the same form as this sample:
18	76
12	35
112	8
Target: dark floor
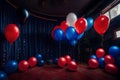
53	72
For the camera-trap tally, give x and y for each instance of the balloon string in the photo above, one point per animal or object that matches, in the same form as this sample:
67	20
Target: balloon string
102	41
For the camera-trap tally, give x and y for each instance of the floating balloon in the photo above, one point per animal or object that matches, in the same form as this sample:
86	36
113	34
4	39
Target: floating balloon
101	24
101	62
71	33
111	68
11	32
64	26
3	75
90	23
58	35
32	61
71	19
11	66
52	33
109	59
93	57
72	66
62	62
68	58
23	15
73	42
114	51
80	36
93	63
100	52
23	65
39	57
81	25
41	63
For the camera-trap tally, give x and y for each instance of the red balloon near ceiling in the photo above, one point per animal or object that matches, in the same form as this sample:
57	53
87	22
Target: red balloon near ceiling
32	61
68	58
52	33
101	24
72	66
62	62
93	63
81	25
23	65
111	68
109	59
64	25
100	52
11	32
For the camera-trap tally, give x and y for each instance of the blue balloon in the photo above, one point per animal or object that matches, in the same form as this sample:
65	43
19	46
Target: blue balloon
55	60
73	42
23	14
58	34
3	75
41	63
39	57
90	23
114	51
71	33
118	61
11	66
101	62
93	56
80	36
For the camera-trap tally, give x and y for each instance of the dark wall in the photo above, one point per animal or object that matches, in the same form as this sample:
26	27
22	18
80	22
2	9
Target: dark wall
35	38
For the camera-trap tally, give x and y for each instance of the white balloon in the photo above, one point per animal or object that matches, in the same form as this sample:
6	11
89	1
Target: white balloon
71	19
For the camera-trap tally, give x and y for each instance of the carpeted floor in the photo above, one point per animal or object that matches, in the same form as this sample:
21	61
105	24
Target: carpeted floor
53	72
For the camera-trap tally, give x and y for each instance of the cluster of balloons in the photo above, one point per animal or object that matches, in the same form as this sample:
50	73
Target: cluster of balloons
32	61
72	29
63	61
106	61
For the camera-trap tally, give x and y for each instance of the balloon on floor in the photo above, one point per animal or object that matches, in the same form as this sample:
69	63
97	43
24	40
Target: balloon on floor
3	75
23	65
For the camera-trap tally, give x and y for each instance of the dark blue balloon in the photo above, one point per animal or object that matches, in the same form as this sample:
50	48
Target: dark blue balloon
118	61
73	42
58	34
3	75
55	60
80	36
41	63
11	66
93	56
101	62
90	23
39	57
23	14
114	51
71	33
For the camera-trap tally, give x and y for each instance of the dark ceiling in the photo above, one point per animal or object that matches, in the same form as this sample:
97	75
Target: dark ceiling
60	8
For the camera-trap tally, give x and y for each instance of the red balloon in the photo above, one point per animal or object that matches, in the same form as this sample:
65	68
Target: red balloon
64	25
62	62
81	25
93	63
32	61
52	33
109	59
100	52
72	66
11	32
101	24
111	68
23	65
68	58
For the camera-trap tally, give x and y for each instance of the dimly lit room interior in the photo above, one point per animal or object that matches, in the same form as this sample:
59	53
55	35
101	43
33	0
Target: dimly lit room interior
59	40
